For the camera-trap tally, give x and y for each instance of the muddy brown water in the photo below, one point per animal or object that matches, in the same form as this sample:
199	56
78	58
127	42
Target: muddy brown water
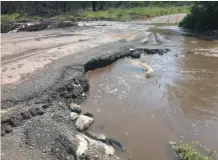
178	102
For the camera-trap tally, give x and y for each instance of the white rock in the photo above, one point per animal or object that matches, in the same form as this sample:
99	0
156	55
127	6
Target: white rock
86	143
83	122
73	116
83	145
75	108
109	150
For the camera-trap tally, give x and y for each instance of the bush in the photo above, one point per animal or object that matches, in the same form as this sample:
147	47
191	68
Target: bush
185	151
203	17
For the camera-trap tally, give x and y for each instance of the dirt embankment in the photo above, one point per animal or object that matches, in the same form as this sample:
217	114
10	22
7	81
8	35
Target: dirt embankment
34	26
43	126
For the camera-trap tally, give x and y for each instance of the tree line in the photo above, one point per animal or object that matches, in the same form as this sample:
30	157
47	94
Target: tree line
50	8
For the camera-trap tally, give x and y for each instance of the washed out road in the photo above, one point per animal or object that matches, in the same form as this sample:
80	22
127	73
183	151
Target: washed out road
43	72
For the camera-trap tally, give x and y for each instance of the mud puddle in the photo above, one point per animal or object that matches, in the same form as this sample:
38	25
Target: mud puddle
178	102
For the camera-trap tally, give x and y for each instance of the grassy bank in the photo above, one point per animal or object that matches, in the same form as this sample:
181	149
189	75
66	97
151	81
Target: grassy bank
134	13
18	17
111	14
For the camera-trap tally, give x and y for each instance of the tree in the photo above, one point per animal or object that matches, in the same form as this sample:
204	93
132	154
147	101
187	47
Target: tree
94	4
203	16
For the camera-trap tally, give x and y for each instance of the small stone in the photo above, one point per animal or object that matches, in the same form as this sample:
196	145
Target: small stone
31	147
40	110
33	111
8	129
2	133
83	122
45	106
89	115
73	116
193	125
75	108
16	120
26	115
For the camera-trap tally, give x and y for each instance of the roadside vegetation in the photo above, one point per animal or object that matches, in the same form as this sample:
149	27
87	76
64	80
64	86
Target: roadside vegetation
30	11
193	151
203	17
135	13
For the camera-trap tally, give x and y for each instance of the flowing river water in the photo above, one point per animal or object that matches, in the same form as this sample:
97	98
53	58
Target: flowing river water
178	102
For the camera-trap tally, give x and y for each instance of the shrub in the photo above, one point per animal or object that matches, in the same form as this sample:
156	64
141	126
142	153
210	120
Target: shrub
203	17
186	151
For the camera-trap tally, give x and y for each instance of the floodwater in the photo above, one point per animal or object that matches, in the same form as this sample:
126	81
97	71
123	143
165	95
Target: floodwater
178	102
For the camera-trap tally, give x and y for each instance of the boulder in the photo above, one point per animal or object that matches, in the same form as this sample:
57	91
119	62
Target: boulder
73	116
83	122
75	108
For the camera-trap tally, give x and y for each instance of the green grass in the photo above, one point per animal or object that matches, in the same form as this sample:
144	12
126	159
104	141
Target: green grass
17	17
134	13
186	151
111	14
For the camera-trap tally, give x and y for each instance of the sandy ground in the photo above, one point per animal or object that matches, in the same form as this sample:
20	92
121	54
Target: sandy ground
23	53
26	52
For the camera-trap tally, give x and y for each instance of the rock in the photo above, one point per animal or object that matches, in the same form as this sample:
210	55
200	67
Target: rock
95	136
83	122
8	129
64	142
33	111
45	106
14	31
89	115
114	143
131	49
36	26
2	133
73	116
92	149
75	108
26	114
36	111
40	110
15	120
101	137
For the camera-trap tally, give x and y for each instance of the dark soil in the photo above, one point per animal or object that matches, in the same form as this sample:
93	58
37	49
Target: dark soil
35	26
